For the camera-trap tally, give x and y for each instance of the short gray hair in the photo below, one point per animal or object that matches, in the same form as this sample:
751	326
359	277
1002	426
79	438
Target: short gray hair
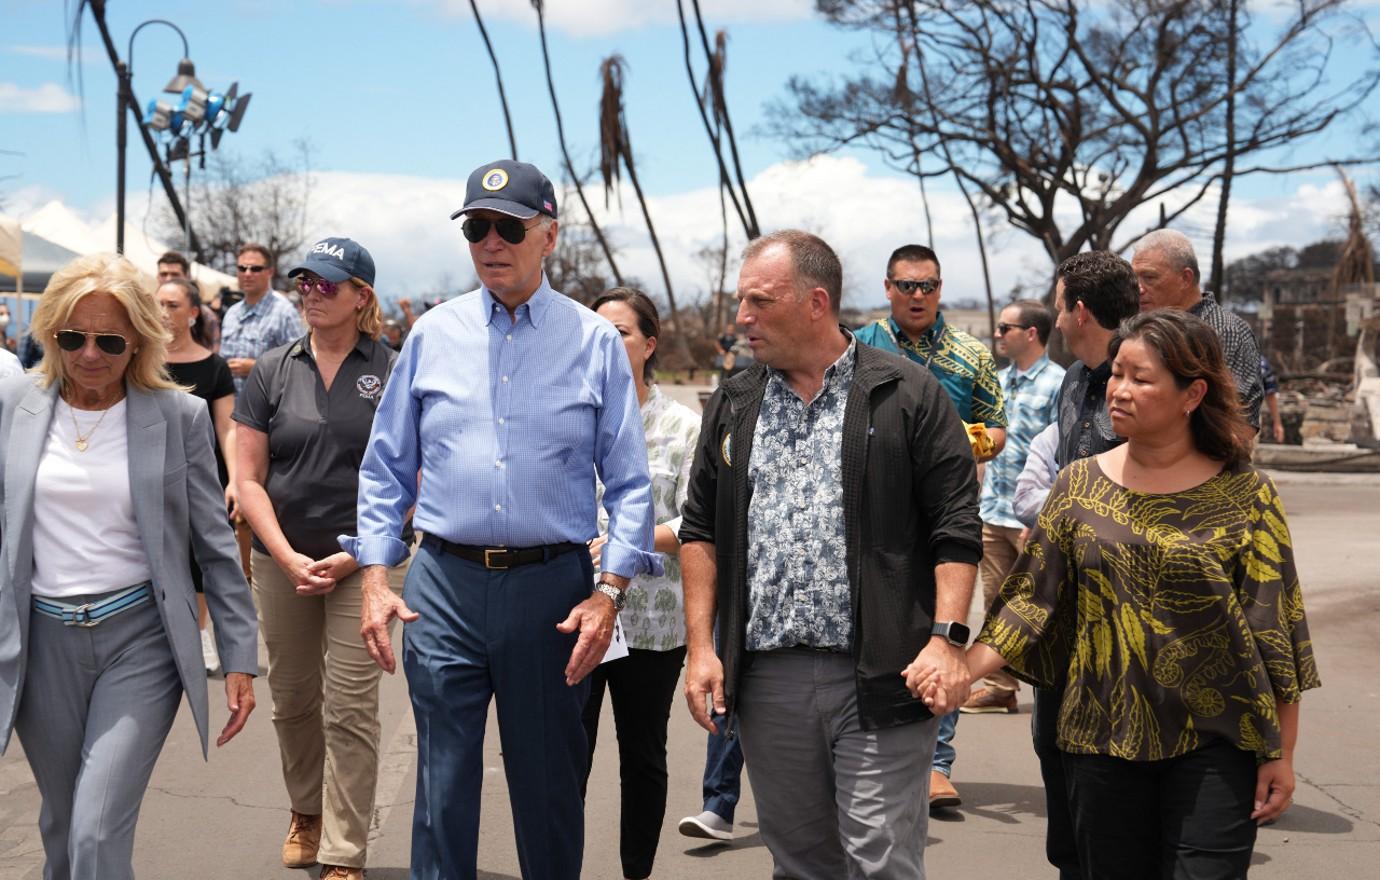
1174	245
815	263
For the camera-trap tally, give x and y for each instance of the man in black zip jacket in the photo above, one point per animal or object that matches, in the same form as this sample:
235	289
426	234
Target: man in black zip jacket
832	530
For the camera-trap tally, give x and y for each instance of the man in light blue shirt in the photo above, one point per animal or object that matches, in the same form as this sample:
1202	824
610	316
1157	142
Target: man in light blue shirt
1030	390
506	402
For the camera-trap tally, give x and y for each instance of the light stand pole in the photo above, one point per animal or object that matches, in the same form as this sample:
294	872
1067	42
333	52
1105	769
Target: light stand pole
128	104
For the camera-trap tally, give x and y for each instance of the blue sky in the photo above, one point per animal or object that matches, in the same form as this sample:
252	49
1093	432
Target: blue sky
397	100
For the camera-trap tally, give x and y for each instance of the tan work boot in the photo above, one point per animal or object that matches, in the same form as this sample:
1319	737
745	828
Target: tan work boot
303	840
942	792
340	872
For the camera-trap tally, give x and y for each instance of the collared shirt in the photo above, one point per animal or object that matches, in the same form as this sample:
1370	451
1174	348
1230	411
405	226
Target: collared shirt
1085	426
1031	399
249	331
1240	350
797	571
507	418
962	364
654	617
316	436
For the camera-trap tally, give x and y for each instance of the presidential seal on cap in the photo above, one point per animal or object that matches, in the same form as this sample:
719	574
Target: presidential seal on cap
337	259
514	188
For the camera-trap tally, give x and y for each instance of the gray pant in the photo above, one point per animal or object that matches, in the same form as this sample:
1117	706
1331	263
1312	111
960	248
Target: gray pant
833	800
97	706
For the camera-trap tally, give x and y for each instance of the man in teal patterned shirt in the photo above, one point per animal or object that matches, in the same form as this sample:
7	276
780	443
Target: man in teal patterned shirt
966	370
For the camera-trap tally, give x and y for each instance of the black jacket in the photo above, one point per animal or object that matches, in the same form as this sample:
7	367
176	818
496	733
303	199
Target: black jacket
910	498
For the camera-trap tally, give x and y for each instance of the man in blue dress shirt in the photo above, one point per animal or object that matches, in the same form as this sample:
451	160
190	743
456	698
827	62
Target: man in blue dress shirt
506	402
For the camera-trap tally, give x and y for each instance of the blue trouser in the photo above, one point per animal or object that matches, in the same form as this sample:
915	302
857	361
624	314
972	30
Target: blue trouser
485	634
944	747
723	772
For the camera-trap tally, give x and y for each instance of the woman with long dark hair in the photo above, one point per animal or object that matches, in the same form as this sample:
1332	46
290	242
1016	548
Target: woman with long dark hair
643	684
1160	584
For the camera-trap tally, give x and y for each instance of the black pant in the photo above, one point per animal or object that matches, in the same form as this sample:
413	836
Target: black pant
642	686
1185	818
1060	847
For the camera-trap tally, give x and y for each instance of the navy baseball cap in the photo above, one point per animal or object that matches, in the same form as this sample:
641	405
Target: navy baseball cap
337	259
514	188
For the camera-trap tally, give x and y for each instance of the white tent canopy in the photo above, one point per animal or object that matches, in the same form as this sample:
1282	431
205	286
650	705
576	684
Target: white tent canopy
61	225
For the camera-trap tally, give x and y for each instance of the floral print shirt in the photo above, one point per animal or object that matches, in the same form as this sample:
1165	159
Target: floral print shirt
654	618
1176	619
797	572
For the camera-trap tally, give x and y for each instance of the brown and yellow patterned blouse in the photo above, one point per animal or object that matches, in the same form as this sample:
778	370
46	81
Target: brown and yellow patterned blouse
1175	619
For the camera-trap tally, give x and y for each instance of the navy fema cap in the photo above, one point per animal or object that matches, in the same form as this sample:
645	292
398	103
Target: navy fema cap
514	188
337	259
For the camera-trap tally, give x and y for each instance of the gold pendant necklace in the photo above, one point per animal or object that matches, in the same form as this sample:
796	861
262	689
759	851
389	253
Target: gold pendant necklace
84	442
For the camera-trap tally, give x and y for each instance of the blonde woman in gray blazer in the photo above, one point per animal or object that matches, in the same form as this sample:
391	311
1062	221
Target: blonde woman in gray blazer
107	477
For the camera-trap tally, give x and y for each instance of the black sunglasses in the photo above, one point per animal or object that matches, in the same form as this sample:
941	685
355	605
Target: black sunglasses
252	269
928	286
510	229
73	340
1003	329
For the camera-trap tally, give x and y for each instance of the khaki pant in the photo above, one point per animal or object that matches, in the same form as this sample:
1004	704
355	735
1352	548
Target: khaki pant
325	704
1000	547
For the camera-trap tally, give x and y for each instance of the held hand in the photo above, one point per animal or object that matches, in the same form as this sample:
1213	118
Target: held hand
378	608
596	549
939	676
704	687
1274	790
298	569
593	619
239	698
232	501
335	567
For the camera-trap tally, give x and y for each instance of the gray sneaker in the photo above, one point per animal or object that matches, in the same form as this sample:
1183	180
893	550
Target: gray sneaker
707	824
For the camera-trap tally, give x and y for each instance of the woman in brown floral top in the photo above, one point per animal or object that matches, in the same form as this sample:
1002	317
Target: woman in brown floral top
1160	584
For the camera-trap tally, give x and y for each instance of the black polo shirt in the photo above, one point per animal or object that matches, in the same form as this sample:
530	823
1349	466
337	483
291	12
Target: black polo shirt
316	437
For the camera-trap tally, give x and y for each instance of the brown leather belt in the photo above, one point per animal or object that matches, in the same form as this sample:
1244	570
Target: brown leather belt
500	558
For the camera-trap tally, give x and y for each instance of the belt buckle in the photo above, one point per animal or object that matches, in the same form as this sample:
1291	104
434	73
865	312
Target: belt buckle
489	553
81	616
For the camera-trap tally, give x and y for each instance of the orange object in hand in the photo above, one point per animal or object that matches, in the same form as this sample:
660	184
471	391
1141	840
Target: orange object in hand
984	447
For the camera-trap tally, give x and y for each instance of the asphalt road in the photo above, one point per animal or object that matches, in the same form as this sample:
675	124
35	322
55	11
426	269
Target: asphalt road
225	819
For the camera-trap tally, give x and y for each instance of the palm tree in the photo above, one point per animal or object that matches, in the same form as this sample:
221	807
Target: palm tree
538	5
615	149
498	77
1219	232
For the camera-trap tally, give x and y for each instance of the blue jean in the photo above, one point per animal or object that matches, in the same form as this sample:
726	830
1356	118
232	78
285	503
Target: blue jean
486	634
723	772
944	747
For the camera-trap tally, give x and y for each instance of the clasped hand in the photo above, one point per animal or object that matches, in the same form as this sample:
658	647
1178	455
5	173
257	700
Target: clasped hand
939	676
317	577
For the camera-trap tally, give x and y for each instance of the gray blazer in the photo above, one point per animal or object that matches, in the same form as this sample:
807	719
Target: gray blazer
178	504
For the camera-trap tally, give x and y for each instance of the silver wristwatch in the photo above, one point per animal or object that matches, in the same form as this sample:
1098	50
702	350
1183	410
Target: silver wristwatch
615	594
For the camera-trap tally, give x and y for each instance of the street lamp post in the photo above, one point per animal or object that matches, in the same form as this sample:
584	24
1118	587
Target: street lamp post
186	75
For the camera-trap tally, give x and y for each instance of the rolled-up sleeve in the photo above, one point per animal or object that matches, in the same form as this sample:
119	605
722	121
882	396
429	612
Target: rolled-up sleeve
388	473
620	456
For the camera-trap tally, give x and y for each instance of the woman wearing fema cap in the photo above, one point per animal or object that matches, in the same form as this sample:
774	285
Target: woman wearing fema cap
305	414
107	481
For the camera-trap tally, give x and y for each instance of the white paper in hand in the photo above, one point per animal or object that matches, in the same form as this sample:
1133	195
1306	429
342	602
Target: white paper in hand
618	645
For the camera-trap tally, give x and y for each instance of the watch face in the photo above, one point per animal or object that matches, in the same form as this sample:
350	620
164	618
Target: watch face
959	632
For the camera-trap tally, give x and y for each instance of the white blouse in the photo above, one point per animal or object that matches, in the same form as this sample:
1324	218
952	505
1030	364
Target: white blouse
85	537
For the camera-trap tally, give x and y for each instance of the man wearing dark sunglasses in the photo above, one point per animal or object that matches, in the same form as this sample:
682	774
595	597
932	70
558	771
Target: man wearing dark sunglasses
264	319
965	368
507	401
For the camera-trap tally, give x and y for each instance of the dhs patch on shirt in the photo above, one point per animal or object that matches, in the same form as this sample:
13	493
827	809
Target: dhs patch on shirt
369	386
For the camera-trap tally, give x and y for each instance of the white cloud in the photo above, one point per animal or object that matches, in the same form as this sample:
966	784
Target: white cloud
47	98
585	18
404	221
57	53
